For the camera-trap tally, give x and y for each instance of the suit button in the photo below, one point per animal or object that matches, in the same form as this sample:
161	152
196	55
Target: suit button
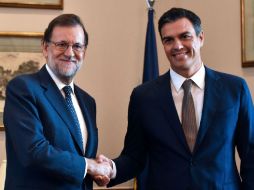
192	163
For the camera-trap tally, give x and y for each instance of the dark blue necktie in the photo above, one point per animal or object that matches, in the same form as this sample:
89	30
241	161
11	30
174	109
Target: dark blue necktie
67	91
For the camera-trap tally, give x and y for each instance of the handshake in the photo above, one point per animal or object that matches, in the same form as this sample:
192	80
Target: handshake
101	169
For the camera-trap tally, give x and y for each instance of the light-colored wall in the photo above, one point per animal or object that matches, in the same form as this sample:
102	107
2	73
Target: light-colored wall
114	60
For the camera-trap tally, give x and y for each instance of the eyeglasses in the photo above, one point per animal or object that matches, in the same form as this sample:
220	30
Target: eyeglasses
63	46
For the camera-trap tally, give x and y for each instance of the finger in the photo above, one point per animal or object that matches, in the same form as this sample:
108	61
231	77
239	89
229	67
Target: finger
101	180
98	180
105	179
101	158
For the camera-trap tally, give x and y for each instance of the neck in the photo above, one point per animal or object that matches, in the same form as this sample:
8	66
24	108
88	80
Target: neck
189	72
65	80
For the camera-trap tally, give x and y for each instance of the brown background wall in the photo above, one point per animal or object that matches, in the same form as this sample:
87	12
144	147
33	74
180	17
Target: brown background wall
114	60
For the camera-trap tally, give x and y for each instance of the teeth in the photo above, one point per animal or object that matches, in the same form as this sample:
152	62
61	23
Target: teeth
177	54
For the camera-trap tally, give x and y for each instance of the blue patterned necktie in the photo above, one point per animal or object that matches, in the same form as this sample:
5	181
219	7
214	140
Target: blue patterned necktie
189	123
67	91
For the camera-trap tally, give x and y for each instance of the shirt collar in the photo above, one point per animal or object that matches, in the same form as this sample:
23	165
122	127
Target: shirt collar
198	78
59	83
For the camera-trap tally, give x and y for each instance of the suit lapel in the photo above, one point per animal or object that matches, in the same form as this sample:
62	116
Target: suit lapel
211	102
90	125
167	104
57	101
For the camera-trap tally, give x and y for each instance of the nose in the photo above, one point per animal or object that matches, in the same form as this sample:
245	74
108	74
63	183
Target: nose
177	44
69	51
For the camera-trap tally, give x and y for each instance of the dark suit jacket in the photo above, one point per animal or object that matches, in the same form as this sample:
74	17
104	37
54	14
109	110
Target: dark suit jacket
41	144
154	130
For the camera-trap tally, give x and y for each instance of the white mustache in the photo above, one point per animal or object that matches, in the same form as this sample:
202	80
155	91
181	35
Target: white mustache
69	59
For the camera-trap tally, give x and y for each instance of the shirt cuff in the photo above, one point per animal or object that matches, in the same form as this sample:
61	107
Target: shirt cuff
113	174
85	168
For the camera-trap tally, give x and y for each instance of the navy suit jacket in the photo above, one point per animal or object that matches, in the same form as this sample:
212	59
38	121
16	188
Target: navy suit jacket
154	131
41	143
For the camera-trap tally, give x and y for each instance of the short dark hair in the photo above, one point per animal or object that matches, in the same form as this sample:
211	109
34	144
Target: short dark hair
64	20
175	14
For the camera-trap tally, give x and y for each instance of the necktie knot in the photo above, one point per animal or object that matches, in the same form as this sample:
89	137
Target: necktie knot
187	85
67	91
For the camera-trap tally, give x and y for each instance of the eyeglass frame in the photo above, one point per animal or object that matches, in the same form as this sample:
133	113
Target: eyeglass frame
67	45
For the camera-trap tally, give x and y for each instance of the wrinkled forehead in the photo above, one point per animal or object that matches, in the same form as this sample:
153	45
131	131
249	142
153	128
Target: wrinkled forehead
74	34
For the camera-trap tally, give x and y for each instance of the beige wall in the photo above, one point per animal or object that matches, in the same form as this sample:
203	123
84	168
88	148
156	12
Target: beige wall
114	59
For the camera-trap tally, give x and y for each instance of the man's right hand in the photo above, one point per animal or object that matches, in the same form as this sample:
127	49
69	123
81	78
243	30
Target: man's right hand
99	170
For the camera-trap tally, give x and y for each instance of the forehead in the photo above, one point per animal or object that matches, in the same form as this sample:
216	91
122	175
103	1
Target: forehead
180	26
68	33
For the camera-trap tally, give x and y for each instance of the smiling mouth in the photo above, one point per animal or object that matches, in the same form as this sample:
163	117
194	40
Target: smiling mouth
68	61
179	54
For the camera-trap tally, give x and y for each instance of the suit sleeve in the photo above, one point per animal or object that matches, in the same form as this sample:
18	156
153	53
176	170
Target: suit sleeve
132	158
245	139
25	136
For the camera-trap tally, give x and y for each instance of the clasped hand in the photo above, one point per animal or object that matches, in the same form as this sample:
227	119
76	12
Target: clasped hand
100	169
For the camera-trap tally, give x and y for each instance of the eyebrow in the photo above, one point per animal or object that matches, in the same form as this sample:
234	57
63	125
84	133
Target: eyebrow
170	37
64	41
167	38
